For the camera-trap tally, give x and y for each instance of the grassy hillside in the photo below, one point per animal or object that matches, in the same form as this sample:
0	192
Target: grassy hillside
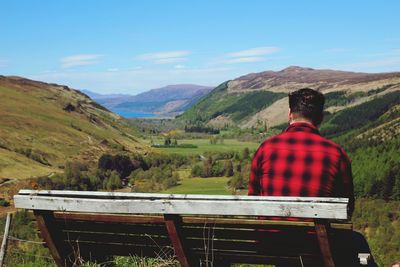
45	125
360	115
233	107
259	98
370	133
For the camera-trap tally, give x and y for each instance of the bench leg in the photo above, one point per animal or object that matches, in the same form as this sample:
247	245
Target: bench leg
324	245
173	222
49	234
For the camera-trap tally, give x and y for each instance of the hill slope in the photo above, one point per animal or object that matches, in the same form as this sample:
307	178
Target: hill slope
44	125
261	97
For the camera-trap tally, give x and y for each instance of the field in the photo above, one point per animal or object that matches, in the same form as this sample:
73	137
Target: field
204	145
197	185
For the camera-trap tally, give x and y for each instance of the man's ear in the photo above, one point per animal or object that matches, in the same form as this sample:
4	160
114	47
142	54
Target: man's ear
290	115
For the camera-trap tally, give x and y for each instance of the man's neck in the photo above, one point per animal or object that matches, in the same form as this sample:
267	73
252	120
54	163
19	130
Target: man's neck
301	121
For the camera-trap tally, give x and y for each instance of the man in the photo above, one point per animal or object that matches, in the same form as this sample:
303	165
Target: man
299	161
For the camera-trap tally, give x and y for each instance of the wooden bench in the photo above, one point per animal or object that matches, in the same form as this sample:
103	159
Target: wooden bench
197	229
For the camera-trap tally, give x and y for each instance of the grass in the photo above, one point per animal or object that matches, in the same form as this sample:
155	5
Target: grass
14	165
203	145
197	185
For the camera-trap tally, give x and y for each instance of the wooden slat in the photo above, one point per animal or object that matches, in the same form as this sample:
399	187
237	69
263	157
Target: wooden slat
117	228
188	207
109	238
96	217
248	235
120	195
242	222
229	222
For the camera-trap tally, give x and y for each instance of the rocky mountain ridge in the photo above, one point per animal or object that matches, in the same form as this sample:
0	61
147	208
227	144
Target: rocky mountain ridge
295	77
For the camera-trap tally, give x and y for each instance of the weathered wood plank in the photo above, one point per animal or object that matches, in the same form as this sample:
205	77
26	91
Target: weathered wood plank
96	217
228	222
120	195
112	239
116	228
321	210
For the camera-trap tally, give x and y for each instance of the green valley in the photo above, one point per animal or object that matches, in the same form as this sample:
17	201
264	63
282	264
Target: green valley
61	139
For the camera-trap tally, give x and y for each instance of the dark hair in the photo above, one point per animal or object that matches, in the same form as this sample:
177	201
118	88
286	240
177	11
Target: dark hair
308	104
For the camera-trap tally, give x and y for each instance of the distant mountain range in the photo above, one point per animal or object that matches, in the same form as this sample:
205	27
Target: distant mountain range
261	98
168	100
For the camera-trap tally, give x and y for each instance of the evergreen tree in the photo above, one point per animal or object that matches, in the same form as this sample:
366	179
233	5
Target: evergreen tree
246	153
228	167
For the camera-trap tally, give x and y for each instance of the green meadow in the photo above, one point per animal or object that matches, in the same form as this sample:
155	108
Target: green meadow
204	145
197	185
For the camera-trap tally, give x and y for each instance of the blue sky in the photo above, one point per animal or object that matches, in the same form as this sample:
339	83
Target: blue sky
132	46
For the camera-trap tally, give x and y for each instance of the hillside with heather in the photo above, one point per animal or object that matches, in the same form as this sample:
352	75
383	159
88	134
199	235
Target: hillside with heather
45	125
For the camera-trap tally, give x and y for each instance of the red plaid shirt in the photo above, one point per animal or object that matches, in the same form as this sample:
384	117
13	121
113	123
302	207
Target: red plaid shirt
300	162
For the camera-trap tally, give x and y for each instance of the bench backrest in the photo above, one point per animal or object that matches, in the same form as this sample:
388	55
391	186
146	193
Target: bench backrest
195	228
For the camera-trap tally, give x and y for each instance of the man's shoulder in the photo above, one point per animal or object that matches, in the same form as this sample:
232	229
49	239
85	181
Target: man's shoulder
312	141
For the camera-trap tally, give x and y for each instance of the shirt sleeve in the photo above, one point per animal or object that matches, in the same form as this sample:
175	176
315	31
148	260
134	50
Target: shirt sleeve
255	173
347	181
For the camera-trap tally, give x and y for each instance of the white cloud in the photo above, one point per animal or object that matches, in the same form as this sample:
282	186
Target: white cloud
179	66
113	69
249	55
165	57
255	52
244	60
79	60
337	50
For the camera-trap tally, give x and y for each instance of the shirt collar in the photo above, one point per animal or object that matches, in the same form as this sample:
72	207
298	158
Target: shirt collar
302	127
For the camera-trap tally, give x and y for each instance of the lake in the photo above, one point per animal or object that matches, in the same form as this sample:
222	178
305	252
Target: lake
133	114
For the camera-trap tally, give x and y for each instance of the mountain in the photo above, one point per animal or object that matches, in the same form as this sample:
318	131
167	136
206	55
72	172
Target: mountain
261	98
96	96
168	100
45	125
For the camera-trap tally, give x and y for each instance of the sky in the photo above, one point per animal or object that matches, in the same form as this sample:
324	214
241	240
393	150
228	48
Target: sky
123	46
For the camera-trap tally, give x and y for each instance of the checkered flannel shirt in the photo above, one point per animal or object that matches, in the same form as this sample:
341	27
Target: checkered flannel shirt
300	162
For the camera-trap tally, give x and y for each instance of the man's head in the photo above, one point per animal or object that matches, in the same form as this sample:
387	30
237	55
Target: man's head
306	104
